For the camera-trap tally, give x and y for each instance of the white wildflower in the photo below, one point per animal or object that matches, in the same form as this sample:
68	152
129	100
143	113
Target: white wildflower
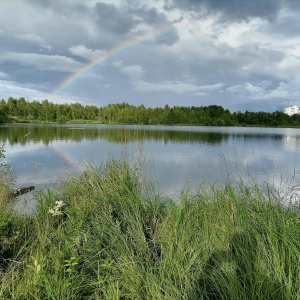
56	210
59	204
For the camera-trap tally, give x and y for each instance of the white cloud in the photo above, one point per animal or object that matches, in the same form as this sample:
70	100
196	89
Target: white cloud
262	91
30	37
117	64
211	87
33	38
3	75
14	89
42	62
238	34
177	87
134	72
17	90
83	51
199	94
248	89
248	57
253	89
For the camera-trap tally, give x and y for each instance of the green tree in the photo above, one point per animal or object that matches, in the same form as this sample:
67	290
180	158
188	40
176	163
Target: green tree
12	106
3	111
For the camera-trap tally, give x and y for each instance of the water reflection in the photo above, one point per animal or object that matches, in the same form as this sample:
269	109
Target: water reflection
42	155
23	134
291	142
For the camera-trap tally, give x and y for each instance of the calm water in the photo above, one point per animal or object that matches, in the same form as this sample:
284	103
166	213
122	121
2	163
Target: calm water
42	155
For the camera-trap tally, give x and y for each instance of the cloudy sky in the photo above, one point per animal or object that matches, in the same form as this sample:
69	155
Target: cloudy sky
241	54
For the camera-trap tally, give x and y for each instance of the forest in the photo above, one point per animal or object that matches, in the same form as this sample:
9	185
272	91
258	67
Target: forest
22	111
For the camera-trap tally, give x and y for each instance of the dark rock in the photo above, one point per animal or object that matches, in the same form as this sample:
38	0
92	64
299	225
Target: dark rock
20	191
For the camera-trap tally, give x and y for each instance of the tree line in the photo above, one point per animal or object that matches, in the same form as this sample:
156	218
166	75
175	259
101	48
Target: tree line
20	110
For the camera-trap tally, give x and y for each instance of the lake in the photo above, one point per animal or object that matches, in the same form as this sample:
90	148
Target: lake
176	157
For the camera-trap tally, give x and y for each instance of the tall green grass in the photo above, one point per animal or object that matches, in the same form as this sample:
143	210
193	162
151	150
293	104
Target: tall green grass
6	178
109	235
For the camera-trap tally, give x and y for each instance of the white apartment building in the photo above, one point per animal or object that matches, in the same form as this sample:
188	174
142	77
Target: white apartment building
292	110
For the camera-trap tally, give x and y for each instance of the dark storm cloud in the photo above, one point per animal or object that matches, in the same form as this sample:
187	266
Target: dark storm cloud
288	26
229	51
106	24
112	19
60	7
122	20
10	43
149	15
236	9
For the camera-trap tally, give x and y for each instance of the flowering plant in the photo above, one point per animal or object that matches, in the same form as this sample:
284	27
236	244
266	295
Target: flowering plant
57	208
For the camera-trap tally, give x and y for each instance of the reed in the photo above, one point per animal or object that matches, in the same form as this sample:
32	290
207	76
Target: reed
6	179
109	235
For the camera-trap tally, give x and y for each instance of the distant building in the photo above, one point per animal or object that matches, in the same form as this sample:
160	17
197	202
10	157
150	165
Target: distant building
292	110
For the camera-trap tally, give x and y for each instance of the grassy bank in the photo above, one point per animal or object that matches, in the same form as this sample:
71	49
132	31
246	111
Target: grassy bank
108	235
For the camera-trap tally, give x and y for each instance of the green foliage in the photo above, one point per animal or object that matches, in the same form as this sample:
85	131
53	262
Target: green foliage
6	178
3	112
21	110
70	264
108	235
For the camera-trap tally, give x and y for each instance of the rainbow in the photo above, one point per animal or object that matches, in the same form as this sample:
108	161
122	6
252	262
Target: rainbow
70	163
68	81
136	40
